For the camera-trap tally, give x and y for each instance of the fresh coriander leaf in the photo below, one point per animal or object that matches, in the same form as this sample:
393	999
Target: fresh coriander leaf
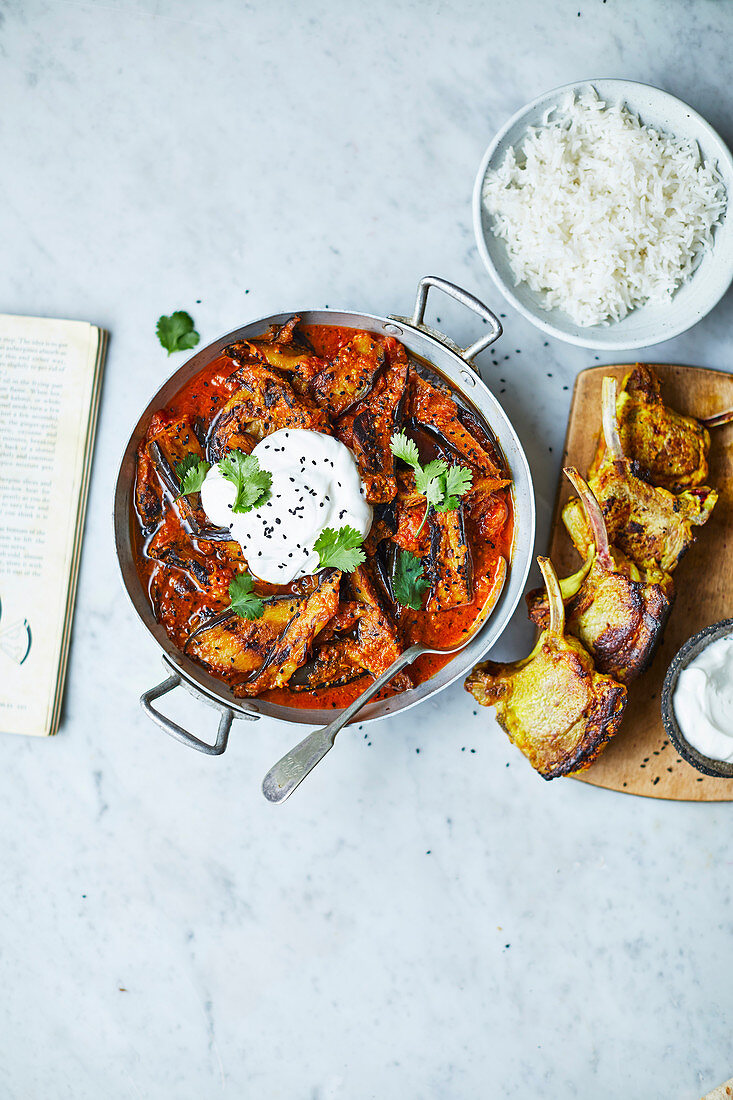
436	468
253	485
191	473
408	583
406	449
441	485
186	464
428	480
340	549
458	481
244	602
176	333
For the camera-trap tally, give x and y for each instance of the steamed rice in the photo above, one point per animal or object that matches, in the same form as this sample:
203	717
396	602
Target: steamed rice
600	213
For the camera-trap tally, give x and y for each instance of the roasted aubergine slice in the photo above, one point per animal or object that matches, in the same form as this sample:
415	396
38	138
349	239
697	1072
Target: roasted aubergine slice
430	407
234	646
148	499
332	664
169	444
368	429
264	653
617	617
652	526
378	640
360	639
349	376
292	647
449	564
284	348
264	403
369	648
553	705
176	550
670	449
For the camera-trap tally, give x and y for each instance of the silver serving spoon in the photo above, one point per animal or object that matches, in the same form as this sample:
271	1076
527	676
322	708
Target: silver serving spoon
291	770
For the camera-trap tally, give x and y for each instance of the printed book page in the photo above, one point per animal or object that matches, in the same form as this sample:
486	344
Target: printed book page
49	382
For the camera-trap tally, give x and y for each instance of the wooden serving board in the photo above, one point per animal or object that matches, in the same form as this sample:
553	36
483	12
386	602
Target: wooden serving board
640	760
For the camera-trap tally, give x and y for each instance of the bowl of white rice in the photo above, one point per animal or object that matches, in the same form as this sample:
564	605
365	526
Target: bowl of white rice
600	213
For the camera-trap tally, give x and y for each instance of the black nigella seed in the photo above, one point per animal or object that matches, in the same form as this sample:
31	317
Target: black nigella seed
277	519
293	480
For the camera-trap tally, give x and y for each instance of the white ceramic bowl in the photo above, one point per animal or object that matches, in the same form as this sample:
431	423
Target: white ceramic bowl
648	324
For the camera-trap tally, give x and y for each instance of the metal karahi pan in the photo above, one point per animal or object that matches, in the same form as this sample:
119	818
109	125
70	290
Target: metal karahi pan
454	367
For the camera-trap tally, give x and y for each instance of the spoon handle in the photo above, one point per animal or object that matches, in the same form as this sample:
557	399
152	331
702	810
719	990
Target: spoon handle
284	777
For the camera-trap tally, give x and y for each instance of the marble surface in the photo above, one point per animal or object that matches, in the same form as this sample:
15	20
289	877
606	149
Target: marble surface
426	917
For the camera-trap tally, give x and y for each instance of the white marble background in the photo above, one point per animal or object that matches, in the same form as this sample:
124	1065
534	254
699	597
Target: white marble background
413	924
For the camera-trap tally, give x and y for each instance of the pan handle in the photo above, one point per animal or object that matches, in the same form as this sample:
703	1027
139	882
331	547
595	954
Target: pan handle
466	299
222	734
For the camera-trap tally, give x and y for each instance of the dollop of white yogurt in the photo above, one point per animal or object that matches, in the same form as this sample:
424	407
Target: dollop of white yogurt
315	484
703	700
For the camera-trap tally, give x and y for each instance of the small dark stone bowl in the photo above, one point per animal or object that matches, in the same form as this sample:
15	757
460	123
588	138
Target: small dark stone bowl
721	769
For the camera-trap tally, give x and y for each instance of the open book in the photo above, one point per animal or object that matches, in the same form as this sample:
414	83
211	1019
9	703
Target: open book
50	375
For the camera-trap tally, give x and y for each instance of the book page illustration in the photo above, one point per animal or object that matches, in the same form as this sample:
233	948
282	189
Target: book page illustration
15	639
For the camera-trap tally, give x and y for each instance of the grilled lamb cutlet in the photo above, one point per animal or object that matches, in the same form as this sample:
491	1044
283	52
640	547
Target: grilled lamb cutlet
615	614
553	705
670	449
651	525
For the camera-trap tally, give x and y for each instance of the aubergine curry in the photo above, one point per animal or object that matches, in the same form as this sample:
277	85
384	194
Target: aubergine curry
426	569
